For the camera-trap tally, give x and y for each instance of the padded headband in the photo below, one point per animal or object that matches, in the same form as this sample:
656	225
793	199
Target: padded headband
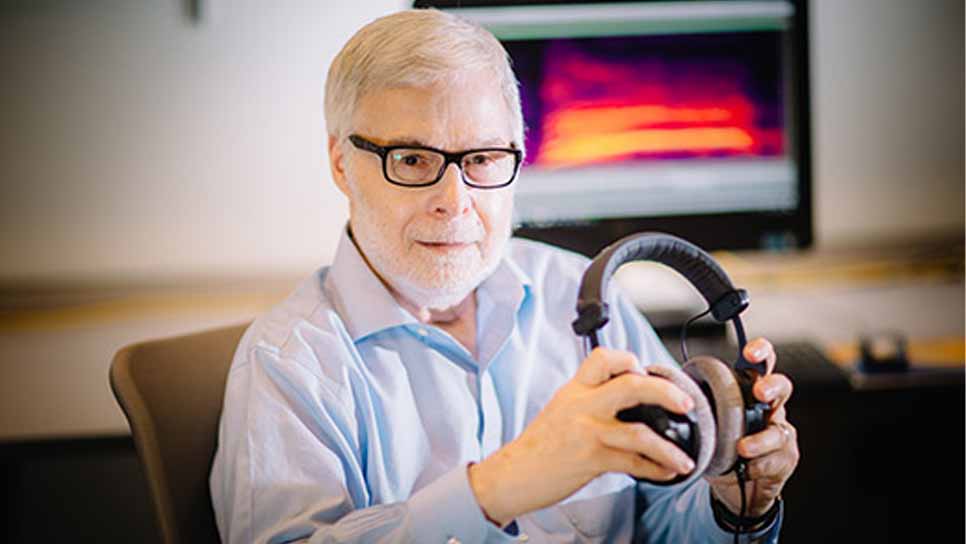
689	260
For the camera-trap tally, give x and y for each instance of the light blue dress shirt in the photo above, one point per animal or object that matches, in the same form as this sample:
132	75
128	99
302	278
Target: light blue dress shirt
346	420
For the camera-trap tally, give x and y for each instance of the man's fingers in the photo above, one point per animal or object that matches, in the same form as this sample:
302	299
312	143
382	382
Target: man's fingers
603	364
614	460
641	439
773	467
777	436
774	389
632	389
760	350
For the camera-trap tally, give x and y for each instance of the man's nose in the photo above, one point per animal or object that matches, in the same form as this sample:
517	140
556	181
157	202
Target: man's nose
452	197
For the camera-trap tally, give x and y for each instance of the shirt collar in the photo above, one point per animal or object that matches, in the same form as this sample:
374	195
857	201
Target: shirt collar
366	305
363	301
508	284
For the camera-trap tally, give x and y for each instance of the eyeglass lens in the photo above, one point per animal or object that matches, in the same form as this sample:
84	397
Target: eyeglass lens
420	166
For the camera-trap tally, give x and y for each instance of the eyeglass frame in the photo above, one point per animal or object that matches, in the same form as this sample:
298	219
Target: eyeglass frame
456	158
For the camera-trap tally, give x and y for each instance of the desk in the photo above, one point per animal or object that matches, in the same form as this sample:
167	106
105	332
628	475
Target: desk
56	347
830	298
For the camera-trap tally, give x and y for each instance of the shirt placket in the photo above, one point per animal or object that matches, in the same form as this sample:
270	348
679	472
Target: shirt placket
491	416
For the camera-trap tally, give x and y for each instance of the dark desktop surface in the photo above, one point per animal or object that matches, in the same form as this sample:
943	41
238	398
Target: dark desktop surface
883	465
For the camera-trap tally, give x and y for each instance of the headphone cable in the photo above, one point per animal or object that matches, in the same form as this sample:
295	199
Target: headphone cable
684	333
740	469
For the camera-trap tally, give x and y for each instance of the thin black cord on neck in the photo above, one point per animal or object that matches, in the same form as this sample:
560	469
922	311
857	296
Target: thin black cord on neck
684	333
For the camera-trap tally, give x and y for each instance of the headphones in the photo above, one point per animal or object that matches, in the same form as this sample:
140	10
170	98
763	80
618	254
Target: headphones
725	408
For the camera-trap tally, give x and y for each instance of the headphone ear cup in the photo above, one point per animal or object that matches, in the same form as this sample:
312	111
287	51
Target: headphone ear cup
701	412
716	378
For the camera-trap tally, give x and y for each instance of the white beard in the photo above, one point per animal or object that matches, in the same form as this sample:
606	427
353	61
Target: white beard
426	278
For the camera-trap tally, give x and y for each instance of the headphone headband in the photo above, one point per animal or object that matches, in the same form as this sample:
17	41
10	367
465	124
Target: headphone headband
689	260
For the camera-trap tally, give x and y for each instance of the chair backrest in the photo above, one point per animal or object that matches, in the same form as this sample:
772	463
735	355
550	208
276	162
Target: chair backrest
171	391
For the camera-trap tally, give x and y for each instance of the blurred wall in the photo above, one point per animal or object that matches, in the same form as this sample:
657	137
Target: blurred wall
888	121
137	142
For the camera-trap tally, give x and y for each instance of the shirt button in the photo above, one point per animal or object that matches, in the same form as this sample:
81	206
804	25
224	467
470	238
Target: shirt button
423	332
453	540
523	537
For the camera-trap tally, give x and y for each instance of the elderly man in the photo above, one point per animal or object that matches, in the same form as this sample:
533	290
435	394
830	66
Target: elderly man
427	387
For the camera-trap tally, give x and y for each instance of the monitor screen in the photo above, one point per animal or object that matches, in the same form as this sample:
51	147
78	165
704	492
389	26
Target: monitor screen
687	117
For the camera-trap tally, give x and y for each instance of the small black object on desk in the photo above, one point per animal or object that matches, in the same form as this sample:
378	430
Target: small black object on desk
883	352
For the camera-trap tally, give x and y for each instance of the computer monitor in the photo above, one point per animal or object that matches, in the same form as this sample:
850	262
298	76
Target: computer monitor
686	117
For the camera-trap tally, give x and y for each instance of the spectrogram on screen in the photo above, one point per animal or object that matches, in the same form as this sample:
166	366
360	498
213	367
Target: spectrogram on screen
650	98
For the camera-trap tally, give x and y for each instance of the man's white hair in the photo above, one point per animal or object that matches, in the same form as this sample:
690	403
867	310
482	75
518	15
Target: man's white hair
414	48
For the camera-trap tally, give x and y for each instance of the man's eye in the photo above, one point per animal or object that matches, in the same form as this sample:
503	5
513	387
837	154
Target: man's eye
479	160
409	160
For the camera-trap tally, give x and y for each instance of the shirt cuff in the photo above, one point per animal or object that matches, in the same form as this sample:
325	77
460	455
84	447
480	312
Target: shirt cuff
446	511
765	535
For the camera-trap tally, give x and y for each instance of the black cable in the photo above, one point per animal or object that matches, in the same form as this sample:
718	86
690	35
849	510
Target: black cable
740	474
684	333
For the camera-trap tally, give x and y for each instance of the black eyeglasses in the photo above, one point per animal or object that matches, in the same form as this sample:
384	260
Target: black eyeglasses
420	166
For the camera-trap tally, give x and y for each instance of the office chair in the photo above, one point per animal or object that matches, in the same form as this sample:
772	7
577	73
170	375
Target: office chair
171	391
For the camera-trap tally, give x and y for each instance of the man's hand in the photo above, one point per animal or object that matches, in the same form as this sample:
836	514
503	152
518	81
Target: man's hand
772	453
576	437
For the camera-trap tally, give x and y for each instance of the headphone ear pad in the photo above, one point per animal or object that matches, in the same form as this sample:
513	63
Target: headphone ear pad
702	414
716	378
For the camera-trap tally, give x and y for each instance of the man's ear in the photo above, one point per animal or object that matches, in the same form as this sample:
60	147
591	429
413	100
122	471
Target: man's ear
337	164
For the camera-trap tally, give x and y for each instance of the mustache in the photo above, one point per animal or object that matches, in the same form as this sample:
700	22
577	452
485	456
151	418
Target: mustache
453	232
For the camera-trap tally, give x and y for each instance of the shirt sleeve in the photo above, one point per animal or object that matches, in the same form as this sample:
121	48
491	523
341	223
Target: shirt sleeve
289	467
